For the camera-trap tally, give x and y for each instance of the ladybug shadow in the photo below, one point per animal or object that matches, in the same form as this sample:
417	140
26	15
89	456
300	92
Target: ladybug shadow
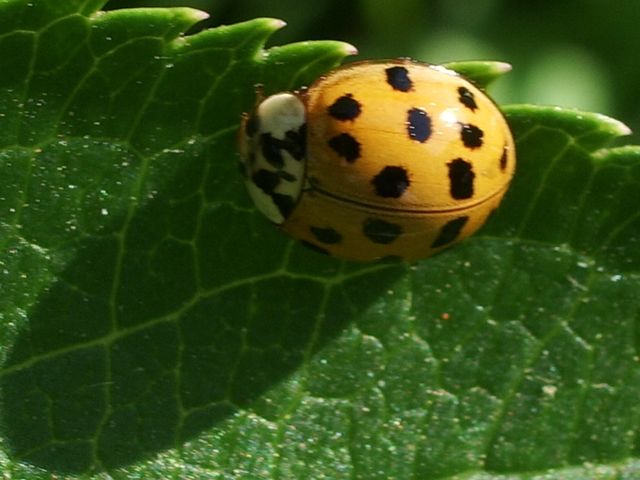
148	339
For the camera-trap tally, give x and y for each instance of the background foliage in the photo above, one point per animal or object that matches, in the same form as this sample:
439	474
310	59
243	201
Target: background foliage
574	53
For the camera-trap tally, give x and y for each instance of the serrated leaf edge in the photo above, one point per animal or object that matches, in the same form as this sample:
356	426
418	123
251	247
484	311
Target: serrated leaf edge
187	16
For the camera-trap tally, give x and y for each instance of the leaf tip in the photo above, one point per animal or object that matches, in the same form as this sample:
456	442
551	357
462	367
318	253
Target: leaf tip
616	127
502	67
612	126
198	15
481	72
348	49
276	23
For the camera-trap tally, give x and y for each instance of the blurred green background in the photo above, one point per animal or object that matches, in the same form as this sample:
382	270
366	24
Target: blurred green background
573	53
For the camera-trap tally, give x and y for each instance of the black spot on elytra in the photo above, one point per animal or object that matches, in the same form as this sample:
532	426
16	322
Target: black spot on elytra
471	135
460	179
398	78
466	97
418	125
266	181
449	232
345	108
346	146
326	235
381	231
391	182
504	158
285	203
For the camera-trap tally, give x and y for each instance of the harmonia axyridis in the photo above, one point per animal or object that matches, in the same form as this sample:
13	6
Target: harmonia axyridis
378	159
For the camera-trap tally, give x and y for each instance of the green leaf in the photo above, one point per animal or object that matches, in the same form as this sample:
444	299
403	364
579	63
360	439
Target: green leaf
155	326
481	72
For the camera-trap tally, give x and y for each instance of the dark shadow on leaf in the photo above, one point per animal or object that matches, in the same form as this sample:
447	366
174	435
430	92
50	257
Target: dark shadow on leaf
157	330
197	327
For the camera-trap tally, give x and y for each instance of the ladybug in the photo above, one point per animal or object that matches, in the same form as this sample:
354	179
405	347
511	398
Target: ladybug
378	159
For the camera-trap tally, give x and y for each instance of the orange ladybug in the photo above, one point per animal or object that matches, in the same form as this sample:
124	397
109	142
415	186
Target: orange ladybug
378	159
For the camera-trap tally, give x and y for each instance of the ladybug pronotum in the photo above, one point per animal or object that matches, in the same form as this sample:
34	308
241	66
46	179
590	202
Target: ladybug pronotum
378	159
